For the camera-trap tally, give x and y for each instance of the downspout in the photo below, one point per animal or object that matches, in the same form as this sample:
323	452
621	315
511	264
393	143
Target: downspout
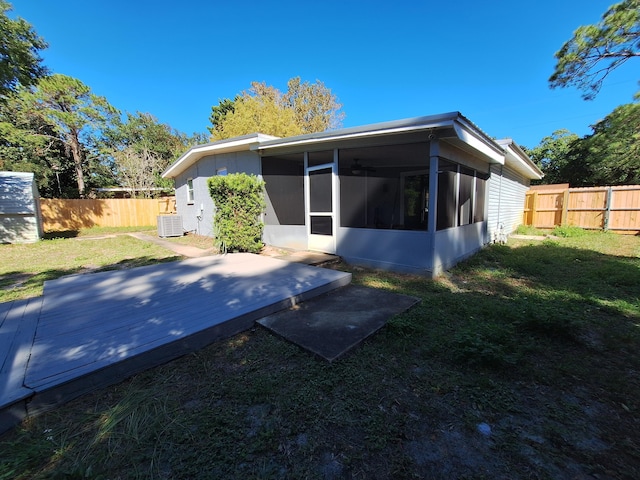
498	233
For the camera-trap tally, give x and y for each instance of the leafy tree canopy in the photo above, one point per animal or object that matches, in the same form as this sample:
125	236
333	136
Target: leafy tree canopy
30	144
141	149
218	112
253	114
595	50
610	155
552	155
612	151
20	62
73	115
316	108
304	108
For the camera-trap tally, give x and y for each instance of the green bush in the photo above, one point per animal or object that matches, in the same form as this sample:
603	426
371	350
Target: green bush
239	202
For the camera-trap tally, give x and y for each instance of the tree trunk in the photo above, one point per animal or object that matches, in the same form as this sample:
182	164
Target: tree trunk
76	152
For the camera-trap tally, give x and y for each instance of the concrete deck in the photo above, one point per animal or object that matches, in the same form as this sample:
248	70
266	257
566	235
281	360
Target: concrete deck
89	331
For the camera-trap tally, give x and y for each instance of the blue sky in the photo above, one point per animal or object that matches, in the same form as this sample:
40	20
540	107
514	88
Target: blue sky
385	61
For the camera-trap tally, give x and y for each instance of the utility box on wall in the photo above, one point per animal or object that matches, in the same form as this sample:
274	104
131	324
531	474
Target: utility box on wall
170	226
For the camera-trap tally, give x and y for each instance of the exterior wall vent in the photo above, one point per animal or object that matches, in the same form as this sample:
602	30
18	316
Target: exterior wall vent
170	226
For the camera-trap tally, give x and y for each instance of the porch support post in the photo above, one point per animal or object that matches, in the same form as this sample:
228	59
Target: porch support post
434	157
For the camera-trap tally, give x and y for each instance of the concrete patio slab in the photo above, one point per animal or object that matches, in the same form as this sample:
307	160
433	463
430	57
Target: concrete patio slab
332	324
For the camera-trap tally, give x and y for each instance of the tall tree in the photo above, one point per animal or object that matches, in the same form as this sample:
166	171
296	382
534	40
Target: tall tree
142	148
610	155
257	113
20	45
28	143
218	112
316	108
612	151
304	108
595	50
553	155
75	114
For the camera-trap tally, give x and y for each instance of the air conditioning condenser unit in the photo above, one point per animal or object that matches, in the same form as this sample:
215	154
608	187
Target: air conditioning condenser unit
170	226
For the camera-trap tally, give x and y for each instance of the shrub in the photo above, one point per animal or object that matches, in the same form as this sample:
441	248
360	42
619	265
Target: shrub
239	202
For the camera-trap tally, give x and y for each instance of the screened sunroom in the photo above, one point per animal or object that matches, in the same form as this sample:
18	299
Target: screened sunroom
410	195
382	196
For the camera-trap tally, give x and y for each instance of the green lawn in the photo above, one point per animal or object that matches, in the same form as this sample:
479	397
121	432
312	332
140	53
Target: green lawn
536	341
25	267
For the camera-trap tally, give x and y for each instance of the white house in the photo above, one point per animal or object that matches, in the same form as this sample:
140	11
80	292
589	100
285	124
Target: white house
415	195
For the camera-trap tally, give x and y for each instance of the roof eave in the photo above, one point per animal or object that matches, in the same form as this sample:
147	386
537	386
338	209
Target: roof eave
365	131
195	153
478	140
465	131
519	160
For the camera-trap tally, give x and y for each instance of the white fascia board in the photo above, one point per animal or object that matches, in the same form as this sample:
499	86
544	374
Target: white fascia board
349	136
485	146
195	153
377	129
519	161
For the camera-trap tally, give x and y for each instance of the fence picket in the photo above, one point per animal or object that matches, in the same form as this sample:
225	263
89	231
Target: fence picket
596	208
75	214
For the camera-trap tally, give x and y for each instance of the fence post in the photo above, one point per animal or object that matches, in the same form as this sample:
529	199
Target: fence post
565	207
607	211
534	206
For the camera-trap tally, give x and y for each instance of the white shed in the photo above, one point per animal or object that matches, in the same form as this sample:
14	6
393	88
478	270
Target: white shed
20	217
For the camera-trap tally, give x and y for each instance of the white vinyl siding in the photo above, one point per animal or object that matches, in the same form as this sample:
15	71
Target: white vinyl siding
507	190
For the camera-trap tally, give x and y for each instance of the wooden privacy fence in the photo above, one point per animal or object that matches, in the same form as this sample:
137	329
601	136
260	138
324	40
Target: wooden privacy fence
75	214
600	208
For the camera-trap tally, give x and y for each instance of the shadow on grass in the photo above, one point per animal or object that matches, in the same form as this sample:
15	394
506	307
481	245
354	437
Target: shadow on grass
17	284
62	234
505	306
571	272
540	341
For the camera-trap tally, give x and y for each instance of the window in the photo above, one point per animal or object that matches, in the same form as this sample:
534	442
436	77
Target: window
190	198
461	195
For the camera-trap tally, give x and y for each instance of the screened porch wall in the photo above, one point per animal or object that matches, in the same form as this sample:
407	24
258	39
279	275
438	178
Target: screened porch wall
455	244
395	250
284	218
384	187
383	206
